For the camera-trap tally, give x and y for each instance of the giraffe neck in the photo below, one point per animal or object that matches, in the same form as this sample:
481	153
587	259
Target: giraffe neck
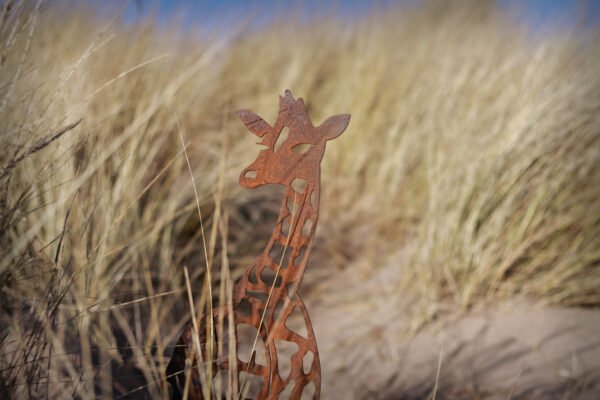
280	267
294	231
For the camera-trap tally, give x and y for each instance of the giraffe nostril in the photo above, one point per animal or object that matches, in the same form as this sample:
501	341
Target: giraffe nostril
251	174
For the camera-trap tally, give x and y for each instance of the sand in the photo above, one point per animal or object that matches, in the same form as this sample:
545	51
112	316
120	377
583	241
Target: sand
509	350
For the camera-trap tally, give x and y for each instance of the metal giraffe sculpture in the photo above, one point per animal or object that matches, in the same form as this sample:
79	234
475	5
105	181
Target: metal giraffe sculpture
266	295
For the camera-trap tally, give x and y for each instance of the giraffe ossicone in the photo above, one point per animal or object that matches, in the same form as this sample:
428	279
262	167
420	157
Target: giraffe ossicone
265	298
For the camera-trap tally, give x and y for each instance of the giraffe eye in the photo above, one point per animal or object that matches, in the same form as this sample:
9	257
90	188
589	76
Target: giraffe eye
301	148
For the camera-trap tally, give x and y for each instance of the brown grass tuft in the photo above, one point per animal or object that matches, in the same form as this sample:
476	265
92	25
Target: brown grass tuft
469	173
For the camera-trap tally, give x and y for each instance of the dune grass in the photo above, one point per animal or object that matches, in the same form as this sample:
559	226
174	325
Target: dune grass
470	168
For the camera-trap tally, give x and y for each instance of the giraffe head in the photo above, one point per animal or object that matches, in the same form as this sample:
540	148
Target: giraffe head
293	146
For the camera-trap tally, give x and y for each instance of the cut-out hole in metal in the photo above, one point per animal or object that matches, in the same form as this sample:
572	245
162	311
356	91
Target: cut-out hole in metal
301	148
245	339
244	308
285	351
300	257
268	277
283	136
307	228
277	316
285	226
307	361
313	199
308	393
280	255
292	207
298	184
295	322
262	296
253	385
252	275
287	393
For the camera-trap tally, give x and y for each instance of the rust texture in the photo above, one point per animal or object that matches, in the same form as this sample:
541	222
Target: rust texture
266	296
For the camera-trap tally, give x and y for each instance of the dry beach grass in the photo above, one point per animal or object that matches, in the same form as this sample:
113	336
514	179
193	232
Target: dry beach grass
468	176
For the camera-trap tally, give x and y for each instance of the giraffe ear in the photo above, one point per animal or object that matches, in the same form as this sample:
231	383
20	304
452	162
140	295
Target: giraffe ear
334	126
254	123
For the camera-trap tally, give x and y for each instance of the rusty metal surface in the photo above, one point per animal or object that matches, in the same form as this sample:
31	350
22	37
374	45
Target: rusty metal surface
265	298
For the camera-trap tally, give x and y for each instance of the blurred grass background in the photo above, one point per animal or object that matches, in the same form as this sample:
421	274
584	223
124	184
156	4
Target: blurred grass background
469	171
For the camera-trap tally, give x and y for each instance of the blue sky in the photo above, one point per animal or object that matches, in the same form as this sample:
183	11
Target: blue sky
210	14
540	12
